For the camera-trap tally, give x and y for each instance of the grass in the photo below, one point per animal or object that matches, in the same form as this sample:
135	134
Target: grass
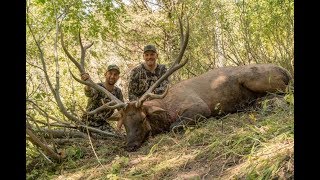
256	144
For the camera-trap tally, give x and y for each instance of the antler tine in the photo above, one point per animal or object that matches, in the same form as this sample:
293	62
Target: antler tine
80	68
159	96
83	50
181	33
89	82
106	106
175	66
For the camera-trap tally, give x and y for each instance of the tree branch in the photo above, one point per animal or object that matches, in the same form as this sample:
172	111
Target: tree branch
34	140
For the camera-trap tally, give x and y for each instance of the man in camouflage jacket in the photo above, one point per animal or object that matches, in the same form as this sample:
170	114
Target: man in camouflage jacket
146	74
96	97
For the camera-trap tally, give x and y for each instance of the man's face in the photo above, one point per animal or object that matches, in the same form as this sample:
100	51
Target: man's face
112	76
150	57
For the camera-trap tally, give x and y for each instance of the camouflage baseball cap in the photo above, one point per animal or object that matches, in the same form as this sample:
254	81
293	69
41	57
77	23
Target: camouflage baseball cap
149	47
113	66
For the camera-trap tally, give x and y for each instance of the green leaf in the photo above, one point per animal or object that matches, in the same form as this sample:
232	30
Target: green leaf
40	1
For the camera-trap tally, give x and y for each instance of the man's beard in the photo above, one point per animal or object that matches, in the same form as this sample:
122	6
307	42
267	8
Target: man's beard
111	83
150	62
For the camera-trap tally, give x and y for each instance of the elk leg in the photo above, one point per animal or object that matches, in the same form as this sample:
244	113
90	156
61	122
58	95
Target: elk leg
276	80
190	116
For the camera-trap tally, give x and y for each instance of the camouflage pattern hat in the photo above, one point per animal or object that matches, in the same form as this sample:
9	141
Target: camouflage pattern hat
113	66
149	47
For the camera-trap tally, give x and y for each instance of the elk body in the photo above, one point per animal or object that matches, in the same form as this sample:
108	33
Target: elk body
222	90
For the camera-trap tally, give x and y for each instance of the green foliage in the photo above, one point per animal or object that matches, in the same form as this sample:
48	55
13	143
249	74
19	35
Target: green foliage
116	166
74	152
118	163
289	97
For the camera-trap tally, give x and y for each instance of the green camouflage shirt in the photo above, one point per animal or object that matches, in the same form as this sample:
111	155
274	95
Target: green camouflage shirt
94	102
141	79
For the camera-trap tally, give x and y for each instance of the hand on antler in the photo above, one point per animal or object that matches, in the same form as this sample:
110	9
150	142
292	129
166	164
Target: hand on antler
85	76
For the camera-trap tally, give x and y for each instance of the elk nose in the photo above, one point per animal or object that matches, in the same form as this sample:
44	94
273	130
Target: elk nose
132	147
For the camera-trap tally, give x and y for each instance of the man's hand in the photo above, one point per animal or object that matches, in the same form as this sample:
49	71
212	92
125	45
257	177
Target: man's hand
85	76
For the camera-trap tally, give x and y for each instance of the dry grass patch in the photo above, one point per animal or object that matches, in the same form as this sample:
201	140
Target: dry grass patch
274	160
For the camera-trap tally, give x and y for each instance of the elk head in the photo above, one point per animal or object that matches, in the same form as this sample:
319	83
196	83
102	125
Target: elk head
136	121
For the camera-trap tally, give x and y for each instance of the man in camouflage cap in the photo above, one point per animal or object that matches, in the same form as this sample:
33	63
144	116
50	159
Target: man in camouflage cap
95	98
146	74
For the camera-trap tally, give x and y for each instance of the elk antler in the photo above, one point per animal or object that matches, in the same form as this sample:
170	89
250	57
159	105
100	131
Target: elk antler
115	102
175	66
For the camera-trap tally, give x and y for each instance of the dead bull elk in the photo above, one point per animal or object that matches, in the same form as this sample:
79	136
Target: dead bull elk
227	87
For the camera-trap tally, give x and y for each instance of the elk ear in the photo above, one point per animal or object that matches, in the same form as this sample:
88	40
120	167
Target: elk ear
119	124
116	116
153	109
